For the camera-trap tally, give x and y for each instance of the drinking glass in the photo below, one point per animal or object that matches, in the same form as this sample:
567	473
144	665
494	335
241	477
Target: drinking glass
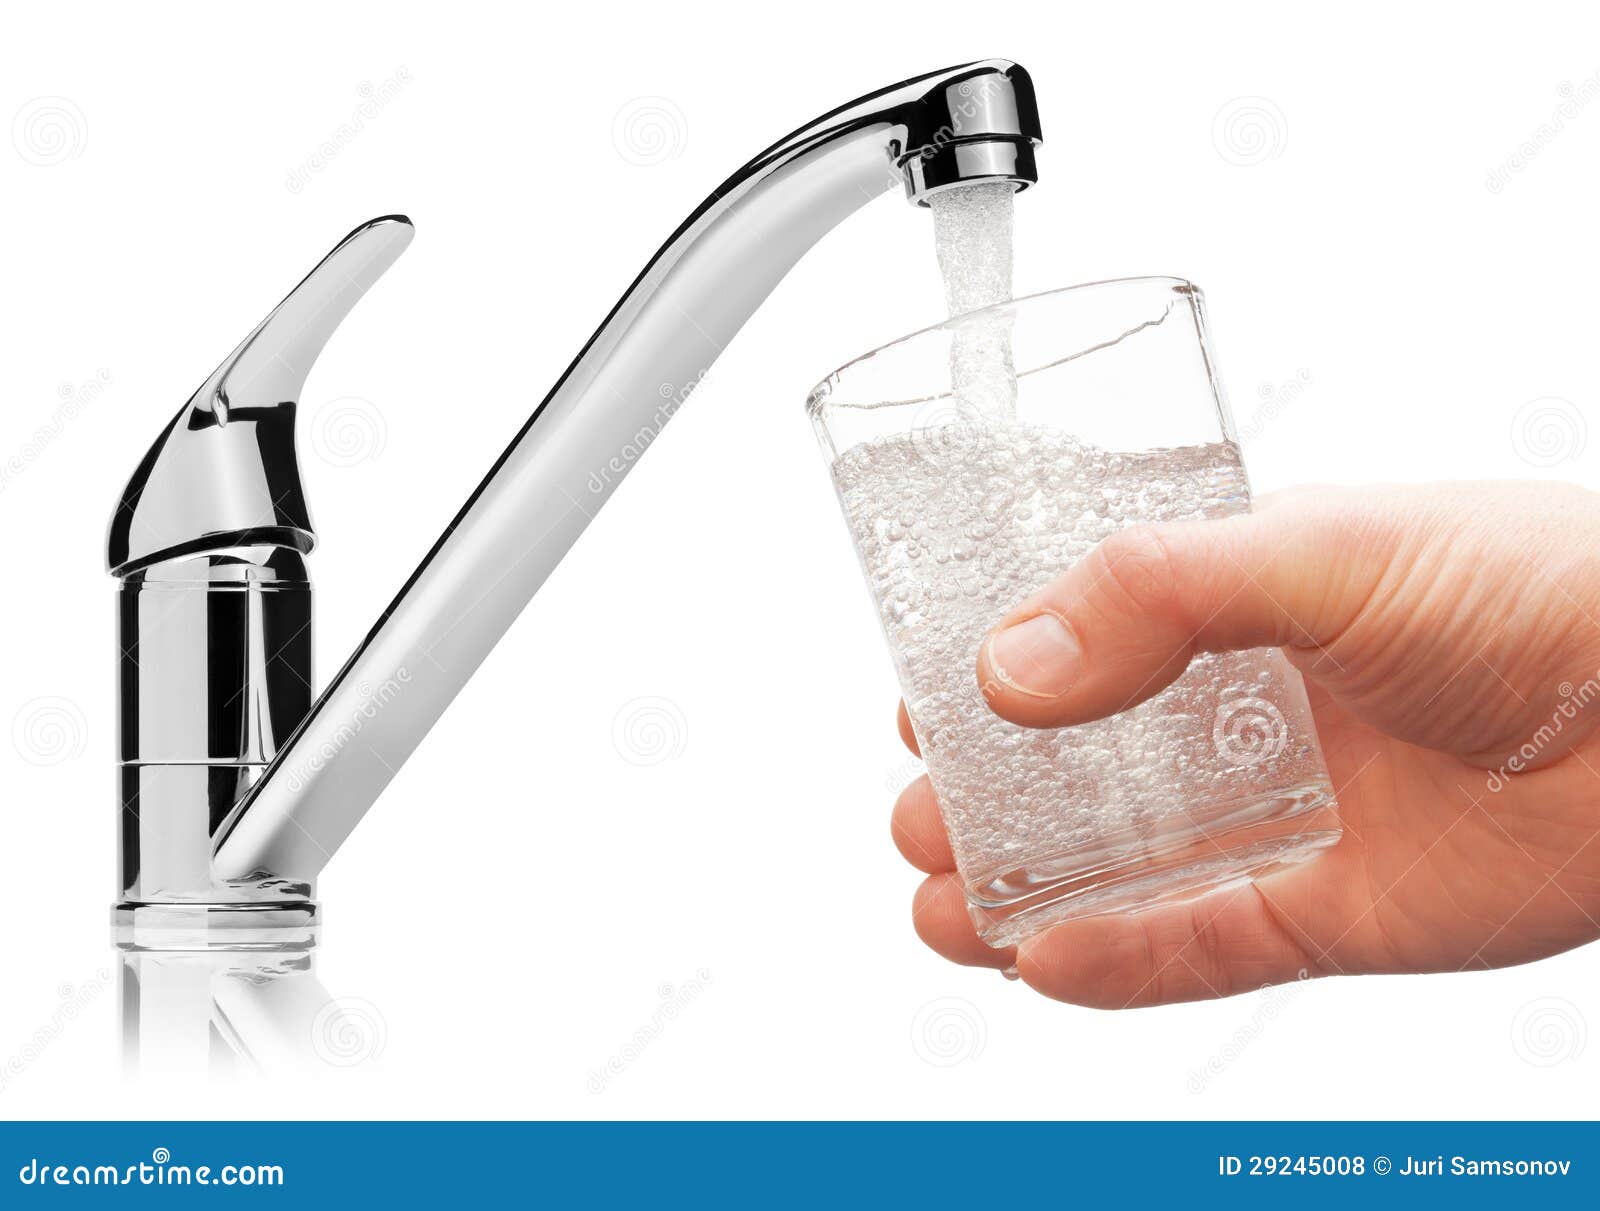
974	461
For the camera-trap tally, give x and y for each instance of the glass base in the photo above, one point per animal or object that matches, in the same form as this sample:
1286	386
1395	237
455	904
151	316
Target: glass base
274	926
1120	874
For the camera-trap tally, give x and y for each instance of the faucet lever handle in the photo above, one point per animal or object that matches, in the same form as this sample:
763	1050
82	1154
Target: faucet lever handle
270	366
223	472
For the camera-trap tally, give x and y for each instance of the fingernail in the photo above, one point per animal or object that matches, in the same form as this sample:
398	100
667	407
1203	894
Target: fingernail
1038	657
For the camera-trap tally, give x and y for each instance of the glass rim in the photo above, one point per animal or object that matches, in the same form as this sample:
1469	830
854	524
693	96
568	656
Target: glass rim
819	394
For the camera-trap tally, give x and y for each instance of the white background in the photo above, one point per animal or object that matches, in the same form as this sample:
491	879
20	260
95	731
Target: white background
509	913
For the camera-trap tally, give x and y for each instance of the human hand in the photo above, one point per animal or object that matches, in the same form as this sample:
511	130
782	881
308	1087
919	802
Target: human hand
1450	640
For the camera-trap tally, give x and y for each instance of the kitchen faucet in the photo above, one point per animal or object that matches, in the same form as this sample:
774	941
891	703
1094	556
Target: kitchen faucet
235	786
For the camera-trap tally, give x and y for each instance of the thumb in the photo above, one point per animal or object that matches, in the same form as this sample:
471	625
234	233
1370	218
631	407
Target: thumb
1123	623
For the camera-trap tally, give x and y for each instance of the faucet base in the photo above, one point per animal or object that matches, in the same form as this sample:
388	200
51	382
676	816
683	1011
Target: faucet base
281	926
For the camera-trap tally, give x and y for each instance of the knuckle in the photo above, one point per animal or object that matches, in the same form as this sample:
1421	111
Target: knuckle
1137	565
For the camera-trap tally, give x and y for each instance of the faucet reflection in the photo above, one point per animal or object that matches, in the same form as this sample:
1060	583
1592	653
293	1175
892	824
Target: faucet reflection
227	1014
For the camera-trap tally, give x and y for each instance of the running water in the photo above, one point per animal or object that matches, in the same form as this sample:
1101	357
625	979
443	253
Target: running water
972	236
972	229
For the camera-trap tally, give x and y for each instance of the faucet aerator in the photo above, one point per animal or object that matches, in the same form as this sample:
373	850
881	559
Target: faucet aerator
934	170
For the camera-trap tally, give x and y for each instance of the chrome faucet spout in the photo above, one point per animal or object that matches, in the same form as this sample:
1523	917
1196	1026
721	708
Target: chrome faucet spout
974	122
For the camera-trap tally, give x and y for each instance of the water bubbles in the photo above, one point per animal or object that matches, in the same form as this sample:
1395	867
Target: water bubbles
949	548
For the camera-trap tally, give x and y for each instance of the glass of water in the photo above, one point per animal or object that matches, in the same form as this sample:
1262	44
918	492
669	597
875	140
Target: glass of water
975	460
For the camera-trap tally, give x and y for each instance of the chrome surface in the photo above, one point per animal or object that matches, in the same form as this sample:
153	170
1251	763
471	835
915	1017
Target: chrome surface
980	126
958	164
223	472
214	623
969	123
